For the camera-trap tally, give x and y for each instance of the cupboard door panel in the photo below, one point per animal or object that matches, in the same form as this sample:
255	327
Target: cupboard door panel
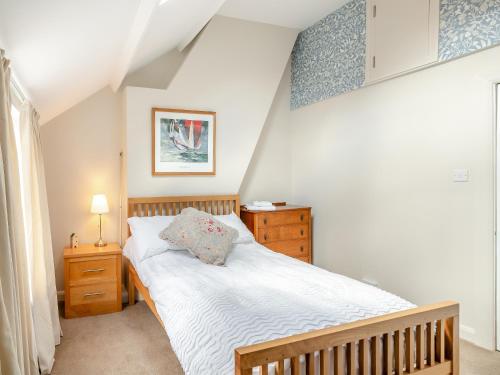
402	35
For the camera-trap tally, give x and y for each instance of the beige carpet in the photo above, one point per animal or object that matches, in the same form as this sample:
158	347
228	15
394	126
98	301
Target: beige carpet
133	342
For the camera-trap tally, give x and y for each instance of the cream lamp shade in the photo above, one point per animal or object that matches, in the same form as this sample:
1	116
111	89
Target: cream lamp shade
99	204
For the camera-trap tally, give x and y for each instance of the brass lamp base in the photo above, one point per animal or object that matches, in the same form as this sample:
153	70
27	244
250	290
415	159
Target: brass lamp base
100	243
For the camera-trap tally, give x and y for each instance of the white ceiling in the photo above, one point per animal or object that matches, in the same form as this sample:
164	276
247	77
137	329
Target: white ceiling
63	51
298	14
173	24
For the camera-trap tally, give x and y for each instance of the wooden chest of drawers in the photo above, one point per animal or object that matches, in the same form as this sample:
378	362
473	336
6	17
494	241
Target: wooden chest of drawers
92	280
286	230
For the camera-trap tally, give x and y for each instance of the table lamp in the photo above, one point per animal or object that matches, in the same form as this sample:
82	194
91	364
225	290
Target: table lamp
99	206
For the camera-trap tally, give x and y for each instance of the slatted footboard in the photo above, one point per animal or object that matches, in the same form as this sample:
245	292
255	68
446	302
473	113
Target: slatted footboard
421	341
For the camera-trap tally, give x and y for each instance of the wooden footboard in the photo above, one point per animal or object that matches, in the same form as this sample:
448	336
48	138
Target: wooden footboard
423	341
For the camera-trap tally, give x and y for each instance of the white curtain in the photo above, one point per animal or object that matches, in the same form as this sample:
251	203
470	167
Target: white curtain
44	293
17	344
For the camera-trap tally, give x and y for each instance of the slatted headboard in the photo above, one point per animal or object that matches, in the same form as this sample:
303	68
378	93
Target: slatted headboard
172	205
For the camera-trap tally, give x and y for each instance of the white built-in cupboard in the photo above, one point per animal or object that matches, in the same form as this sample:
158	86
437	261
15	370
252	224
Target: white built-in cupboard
401	36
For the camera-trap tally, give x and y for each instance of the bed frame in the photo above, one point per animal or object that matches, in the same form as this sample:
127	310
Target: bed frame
423	340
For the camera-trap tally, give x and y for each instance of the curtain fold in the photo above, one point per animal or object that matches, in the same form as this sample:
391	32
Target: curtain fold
18	353
45	310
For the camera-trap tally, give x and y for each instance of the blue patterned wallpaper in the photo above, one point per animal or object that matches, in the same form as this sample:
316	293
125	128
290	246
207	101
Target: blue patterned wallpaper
467	26
329	57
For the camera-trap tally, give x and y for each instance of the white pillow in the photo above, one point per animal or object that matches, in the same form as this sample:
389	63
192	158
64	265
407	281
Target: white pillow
232	220
129	250
145	231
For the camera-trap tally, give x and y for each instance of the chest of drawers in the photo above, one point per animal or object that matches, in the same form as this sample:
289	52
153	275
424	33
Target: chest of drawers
286	230
92	280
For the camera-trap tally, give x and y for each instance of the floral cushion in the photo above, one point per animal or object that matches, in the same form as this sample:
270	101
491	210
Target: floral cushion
201	234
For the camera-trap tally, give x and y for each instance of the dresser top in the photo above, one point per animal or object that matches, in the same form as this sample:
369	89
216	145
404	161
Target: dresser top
288	207
88	250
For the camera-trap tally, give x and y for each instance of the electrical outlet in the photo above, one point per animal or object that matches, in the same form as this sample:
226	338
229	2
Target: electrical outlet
460	175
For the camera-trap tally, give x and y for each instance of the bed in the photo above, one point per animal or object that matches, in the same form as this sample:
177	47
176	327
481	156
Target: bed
283	316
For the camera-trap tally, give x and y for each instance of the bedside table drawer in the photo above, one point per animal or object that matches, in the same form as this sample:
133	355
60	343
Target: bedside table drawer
282	218
90	294
92	270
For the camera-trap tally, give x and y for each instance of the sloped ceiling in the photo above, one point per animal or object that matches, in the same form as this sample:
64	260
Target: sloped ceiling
297	14
173	26
63	51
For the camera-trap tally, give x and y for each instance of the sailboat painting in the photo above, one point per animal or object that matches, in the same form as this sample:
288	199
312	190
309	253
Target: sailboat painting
183	142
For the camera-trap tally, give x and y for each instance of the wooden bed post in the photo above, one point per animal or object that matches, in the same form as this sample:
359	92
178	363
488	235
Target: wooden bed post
131	288
452	343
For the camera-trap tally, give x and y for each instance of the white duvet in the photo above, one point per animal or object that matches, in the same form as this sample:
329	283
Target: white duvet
259	295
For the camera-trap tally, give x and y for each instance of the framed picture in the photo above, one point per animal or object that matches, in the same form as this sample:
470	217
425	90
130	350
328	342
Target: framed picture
183	142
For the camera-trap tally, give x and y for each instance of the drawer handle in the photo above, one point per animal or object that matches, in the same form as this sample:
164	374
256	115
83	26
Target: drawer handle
265	221
302	217
265	237
302	232
93	294
302	249
94	270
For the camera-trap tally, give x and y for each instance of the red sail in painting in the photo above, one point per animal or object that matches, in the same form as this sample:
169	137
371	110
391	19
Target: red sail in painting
186	136
192	129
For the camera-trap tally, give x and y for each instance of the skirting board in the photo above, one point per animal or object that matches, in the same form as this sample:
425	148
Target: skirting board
467	333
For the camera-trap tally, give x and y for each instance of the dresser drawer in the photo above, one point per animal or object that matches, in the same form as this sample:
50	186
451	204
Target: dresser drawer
292	248
284	232
91	294
85	271
282	218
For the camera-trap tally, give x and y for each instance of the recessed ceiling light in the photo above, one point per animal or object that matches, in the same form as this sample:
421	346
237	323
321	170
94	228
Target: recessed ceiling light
162	2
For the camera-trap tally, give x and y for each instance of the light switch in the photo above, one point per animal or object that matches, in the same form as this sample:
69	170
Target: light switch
460	175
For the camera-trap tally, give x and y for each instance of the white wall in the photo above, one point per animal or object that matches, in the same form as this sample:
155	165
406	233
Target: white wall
81	150
234	69
269	174
376	166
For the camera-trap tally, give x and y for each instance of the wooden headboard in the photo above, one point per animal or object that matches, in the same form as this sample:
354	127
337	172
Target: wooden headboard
172	205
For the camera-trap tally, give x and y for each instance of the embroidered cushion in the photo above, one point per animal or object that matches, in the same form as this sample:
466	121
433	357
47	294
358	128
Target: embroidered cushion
234	221
201	234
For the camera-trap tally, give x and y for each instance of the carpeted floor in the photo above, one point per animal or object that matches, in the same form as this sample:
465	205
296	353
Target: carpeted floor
134	343
131	342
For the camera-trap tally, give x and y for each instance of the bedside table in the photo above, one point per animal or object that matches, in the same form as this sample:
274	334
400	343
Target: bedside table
92	280
286	230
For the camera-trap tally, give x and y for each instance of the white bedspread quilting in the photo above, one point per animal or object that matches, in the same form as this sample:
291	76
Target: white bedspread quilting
259	295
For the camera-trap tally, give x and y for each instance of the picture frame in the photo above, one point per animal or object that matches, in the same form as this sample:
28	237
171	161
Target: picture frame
183	142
